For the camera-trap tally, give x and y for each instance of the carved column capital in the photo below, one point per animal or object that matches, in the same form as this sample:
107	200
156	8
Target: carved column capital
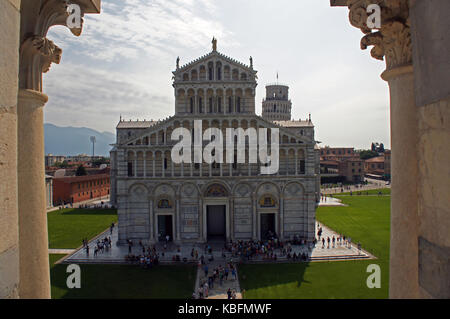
37	52
391	42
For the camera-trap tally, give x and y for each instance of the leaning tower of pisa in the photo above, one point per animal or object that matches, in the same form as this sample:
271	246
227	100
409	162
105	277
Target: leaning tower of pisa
276	106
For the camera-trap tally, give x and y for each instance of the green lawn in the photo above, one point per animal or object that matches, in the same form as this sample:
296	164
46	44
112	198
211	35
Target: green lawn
124	281
365	220
67	227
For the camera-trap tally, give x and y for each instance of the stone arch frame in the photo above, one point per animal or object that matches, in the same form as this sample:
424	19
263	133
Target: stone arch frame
260	185
194	75
235	74
186	202
138	184
156	188
222	200
227	72
180	189
202	73
163	211
285	187
221	183
210	71
275	210
234	189
219	71
301	208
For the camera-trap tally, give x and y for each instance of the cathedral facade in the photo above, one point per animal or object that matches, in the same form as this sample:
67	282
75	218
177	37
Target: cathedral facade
192	202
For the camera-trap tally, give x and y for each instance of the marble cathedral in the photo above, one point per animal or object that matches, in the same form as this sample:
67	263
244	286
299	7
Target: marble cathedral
196	203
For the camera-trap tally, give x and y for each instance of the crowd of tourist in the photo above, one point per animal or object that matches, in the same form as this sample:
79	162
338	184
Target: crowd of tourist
335	241
269	250
101	245
215	277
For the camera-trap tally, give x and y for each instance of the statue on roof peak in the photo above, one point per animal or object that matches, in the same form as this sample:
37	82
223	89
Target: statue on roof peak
214	44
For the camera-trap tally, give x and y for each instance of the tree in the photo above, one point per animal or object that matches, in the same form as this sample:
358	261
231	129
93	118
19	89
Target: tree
81	171
366	154
63	164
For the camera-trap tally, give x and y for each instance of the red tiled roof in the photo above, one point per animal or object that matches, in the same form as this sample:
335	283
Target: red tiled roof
378	159
75	179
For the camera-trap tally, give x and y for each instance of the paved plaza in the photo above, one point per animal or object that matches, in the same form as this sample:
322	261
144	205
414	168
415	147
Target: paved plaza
117	254
217	291
373	184
330	201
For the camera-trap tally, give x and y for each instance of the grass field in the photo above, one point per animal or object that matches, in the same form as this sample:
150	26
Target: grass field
67	227
124	281
365	220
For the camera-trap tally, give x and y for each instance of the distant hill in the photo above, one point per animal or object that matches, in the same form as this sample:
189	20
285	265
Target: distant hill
76	140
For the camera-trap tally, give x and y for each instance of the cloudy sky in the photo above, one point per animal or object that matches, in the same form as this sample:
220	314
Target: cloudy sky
122	63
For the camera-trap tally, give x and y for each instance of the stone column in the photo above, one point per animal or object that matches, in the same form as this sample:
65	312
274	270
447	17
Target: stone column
145	163
392	43
231	218
152	222
37	53
404	160
9	230
296	162
153	164
254	217
163	162
281	219
178	219
33	236
135	173
200	220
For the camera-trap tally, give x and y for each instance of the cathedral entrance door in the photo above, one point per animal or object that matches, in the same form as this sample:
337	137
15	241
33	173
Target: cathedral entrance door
165	227
216	223
267	226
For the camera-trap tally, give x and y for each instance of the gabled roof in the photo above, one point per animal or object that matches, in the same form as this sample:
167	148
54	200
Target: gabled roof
294	123
135	124
156	125
216	54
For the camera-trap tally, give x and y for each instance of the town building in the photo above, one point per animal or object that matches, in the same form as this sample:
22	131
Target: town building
337	153
341	164
51	160
199	202
352	169
74	189
379	167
